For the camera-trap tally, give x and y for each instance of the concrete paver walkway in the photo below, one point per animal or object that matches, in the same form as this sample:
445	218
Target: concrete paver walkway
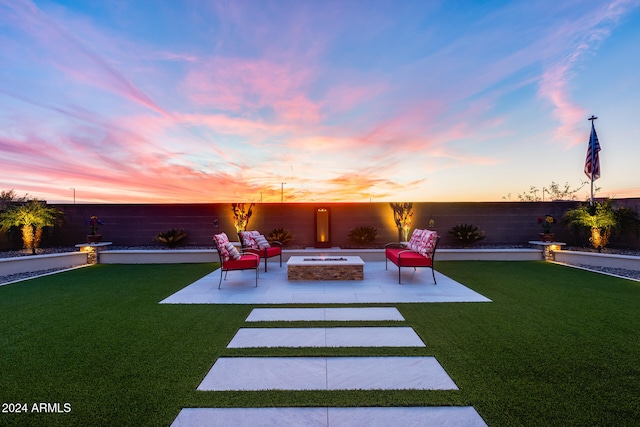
327	373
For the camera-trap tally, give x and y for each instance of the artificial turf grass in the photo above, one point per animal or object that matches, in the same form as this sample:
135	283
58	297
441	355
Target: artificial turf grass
558	346
98	338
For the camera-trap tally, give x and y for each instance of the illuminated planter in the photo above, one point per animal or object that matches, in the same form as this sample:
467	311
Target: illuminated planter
323	228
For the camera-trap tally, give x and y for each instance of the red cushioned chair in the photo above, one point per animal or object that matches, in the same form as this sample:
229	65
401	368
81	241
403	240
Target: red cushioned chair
246	260
249	244
402	256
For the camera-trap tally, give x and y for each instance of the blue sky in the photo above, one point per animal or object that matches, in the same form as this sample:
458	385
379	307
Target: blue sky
217	101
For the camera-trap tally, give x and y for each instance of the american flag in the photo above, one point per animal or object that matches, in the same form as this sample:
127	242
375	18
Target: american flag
592	163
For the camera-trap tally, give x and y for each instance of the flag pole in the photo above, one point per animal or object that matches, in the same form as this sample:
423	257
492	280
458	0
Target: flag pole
593	158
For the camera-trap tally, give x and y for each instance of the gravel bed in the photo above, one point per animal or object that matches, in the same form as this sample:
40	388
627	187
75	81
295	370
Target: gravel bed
631	274
23	276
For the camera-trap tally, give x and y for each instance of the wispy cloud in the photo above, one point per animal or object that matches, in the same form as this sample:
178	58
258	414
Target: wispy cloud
581	39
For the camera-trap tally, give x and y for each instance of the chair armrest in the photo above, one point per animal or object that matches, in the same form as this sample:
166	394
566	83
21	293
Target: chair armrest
396	245
271	242
405	251
248	252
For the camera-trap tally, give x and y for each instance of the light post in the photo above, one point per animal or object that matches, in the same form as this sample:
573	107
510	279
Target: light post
282	192
74	195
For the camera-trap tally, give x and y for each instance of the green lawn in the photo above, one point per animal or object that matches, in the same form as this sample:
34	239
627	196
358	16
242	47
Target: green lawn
558	346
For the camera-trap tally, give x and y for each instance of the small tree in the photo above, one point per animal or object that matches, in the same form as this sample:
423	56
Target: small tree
602	220
553	192
31	217
402	216
241	216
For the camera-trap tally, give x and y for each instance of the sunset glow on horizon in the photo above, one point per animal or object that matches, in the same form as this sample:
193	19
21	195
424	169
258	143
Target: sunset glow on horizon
194	101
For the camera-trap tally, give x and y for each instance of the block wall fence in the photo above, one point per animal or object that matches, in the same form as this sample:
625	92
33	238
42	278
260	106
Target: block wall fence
504	223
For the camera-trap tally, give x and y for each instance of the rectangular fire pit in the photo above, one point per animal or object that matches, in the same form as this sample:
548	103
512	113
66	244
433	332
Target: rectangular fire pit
325	268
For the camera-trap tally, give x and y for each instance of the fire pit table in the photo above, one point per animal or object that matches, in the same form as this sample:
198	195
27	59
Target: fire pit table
325	268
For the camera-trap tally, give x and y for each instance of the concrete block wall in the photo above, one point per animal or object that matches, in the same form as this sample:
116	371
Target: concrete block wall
505	223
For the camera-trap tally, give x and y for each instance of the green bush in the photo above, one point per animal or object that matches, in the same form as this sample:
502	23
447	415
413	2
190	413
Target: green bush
171	238
602	220
31	217
281	235
466	234
364	235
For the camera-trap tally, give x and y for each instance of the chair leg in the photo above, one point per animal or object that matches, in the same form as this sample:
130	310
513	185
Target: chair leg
257	269
399	277
433	272
220	283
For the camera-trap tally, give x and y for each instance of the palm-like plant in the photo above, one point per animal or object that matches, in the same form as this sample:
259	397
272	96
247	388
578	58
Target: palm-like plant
602	220
171	238
364	235
281	235
466	234
31	217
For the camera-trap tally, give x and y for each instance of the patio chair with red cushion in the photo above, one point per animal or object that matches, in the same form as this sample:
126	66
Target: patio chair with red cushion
419	252
253	241
232	259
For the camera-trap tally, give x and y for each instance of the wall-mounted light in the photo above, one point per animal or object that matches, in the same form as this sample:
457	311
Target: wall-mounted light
216	223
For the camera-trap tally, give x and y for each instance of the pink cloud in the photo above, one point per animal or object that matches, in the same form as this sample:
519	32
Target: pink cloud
247	85
583	34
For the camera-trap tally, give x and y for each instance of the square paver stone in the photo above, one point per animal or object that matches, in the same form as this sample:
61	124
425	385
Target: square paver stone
327	373
390	336
442	416
325	314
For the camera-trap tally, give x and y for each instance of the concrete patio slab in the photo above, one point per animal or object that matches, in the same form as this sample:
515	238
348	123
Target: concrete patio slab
378	286
443	416
326	337
325	314
326	373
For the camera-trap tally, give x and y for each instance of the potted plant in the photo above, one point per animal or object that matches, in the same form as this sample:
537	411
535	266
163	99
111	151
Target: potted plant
547	221
94	223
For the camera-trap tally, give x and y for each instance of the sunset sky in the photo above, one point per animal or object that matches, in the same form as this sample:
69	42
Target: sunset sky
140	101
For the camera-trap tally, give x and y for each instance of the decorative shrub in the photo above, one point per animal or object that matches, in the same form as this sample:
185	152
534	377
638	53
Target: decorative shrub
171	238
281	235
32	217
402	216
466	234
364	234
602	220
241	216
